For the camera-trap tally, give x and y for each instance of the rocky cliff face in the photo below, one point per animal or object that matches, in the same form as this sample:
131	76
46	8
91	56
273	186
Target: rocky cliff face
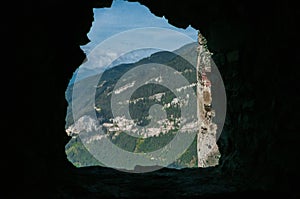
253	47
166	122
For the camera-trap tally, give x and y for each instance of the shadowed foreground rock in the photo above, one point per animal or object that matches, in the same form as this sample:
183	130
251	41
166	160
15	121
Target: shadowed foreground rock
253	47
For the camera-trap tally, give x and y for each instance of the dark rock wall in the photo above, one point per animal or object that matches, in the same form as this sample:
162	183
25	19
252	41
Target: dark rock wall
56	31
254	46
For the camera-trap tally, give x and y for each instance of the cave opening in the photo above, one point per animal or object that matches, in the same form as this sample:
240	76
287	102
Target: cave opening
109	65
243	42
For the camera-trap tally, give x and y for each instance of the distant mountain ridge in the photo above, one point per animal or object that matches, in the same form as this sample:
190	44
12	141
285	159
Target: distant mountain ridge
128	58
76	151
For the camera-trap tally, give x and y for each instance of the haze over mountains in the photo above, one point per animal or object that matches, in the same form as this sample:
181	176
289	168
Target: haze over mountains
140	104
77	152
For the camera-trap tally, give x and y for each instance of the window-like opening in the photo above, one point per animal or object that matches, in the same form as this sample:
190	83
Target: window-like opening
137	101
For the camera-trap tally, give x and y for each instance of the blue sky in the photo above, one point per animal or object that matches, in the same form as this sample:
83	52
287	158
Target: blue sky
124	16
